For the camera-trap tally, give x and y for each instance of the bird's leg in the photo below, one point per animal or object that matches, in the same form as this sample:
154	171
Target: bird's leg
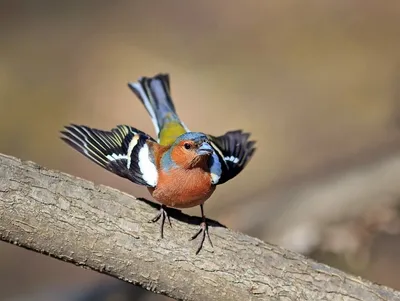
203	231
162	214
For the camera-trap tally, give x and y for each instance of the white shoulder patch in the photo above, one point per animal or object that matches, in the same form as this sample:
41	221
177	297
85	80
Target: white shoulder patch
215	169
147	168
215	178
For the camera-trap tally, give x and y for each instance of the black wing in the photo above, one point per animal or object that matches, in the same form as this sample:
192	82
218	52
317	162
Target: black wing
123	151
234	151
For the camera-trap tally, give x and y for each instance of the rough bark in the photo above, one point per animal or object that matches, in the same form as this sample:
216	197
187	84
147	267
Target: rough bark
106	230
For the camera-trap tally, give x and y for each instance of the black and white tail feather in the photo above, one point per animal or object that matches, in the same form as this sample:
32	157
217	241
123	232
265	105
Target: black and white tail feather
123	151
154	93
234	151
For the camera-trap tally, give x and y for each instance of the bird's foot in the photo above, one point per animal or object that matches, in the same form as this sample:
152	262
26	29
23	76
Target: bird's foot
204	232
163	215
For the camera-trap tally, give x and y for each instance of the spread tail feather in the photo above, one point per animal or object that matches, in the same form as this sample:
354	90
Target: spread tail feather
154	93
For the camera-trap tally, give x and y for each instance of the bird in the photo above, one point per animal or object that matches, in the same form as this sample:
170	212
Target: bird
180	168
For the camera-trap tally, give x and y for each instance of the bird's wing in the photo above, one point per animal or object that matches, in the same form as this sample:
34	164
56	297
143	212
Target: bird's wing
124	151
234	151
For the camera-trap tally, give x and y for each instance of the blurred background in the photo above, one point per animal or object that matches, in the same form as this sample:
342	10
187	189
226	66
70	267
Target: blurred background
317	83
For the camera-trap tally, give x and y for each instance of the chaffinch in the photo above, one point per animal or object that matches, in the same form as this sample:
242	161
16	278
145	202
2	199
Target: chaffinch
181	168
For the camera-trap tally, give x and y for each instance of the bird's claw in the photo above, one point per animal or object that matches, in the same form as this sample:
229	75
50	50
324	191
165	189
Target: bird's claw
204	232
163	214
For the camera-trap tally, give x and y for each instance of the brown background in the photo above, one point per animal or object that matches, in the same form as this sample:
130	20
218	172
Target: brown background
317	84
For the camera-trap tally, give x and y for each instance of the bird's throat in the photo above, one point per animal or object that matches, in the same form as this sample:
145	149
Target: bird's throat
199	162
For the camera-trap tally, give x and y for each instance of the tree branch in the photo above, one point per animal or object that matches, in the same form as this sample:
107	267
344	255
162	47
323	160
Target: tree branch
108	231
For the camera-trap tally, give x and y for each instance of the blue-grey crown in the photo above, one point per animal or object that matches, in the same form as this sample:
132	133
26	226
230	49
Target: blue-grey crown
194	136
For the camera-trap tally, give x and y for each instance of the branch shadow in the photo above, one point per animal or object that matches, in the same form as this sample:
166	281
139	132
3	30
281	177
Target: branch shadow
180	216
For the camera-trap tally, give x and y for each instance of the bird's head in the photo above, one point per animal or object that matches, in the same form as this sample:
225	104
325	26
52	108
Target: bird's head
191	150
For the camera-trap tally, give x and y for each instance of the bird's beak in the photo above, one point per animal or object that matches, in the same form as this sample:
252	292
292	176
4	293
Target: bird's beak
204	149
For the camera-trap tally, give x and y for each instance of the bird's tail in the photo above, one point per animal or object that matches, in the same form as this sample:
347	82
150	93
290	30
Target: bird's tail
154	93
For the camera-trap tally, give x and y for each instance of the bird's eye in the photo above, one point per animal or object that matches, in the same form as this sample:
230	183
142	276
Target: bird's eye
187	145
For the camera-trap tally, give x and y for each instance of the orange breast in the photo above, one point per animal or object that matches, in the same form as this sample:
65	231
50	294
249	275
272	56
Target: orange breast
183	188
